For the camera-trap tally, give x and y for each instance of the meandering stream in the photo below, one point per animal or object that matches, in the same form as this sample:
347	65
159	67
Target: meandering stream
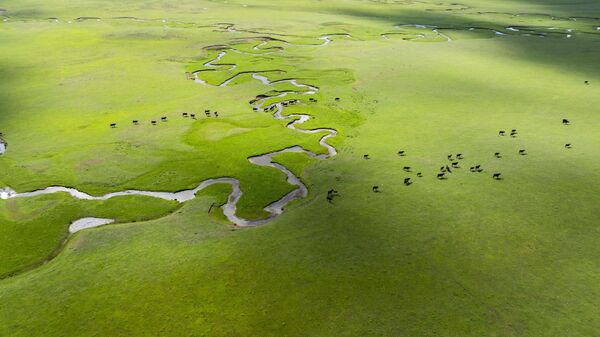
230	207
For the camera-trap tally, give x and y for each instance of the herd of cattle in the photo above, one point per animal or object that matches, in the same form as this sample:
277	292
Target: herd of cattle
455	162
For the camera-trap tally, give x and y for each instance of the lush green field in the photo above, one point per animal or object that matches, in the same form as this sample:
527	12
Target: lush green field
463	256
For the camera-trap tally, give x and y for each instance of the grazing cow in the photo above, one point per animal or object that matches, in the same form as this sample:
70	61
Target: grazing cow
332	192
376	189
329	199
513	130
455	165
448	169
185	114
501	133
407	181
472	169
193	116
216	114
401	153
449	157
406	168
566	121
207	111
513	134
337	99
497	155
496	176
478	168
568	145
153	122
164	119
207	114
113	125
419	174
443	168
459	156
135	122
441	175
586	82
366	156
522	152
266	109
255	109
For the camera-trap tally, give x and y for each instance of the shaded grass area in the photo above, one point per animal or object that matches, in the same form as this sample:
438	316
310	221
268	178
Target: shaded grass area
33	228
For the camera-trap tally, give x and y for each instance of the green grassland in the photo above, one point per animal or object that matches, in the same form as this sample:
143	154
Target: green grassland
464	256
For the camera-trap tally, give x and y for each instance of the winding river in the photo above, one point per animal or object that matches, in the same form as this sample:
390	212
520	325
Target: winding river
229	208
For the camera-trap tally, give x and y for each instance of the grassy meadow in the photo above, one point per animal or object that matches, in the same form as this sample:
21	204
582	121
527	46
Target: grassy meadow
463	256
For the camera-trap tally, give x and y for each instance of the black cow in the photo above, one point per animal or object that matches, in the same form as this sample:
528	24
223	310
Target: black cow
441	175
366	156
216	114
472	169
407	181
376	189
185	114
113	125
337	99
459	156
401	153
501	133
153	122
406	168
497	155
449	157
193	116
448	169
522	152
566	121
586	82
329	199
568	145
419	174
135	122
207	114
207	111
164	119
496	176
455	165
